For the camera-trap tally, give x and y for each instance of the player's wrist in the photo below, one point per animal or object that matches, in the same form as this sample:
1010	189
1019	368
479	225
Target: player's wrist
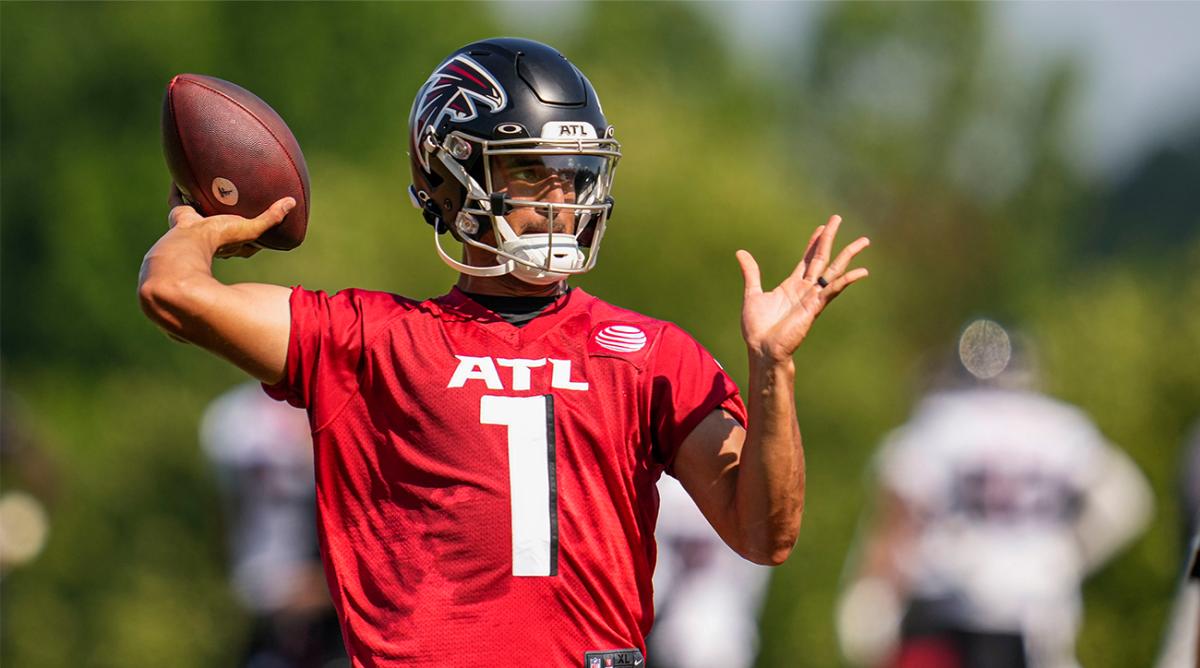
768	366
765	356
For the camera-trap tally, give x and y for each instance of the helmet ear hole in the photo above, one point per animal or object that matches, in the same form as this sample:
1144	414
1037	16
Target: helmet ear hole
433	216
435	179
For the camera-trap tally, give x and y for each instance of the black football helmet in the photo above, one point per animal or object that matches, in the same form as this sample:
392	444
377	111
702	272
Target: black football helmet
503	124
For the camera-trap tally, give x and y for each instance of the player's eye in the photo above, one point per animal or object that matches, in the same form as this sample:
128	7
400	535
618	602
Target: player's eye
526	174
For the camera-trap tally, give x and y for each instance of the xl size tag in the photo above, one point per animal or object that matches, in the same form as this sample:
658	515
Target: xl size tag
614	658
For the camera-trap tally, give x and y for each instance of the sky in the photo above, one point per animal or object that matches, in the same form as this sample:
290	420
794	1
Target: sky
1141	66
1139	61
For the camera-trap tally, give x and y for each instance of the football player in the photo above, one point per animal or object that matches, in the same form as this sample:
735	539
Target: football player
261	452
707	599
995	503
486	460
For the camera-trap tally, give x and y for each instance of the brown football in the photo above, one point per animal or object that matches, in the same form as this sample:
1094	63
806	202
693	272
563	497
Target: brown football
230	153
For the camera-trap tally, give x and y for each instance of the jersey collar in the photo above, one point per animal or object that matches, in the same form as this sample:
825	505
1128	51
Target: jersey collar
457	303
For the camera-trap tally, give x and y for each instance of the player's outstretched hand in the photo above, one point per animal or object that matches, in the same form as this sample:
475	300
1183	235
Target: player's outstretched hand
230	235
775	323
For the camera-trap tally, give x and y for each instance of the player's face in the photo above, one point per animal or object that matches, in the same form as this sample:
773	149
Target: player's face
546	179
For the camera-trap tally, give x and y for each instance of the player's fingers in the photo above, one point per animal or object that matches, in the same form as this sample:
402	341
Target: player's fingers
798	272
182	214
181	211
846	256
276	212
233	231
811	249
268	219
750	272
842	282
824	248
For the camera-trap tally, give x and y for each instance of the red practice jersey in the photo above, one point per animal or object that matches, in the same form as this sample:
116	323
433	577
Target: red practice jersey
486	493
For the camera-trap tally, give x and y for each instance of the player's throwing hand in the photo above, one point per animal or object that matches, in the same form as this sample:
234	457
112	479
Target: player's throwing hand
231	235
775	323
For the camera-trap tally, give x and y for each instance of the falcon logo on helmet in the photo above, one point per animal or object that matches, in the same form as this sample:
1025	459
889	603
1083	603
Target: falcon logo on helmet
453	90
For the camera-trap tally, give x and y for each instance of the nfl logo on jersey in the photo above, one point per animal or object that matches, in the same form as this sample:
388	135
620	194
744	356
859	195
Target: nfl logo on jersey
615	658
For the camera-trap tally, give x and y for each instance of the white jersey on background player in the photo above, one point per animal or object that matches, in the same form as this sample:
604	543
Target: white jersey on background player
1013	498
707	597
262	453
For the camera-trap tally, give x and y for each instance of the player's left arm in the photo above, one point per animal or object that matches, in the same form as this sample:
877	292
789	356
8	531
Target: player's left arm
749	483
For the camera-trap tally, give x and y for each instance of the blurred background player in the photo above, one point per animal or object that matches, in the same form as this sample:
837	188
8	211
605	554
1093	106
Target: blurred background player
1189	486
28	486
1181	646
994	503
1181	643
706	597
262	453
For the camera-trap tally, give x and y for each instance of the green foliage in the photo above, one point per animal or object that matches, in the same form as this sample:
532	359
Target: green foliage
901	120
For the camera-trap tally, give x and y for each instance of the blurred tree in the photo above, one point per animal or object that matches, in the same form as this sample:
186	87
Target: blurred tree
905	113
1155	209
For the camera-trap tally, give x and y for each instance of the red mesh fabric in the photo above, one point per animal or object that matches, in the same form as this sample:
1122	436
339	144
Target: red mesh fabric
414	491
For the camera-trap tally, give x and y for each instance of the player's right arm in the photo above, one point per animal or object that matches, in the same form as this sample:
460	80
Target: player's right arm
246	323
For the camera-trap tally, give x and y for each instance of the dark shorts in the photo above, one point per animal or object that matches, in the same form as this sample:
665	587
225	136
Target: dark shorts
933	635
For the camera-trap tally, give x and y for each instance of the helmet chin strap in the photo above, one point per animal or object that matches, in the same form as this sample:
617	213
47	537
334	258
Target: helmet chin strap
501	269
475	192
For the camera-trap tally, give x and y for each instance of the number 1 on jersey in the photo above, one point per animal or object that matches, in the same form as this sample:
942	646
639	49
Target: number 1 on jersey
534	493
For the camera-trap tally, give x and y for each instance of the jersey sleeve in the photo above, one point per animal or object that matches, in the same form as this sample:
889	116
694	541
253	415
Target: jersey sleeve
685	385
328	337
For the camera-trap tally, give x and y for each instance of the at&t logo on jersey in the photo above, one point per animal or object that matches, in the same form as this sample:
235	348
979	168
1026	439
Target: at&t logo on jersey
621	338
